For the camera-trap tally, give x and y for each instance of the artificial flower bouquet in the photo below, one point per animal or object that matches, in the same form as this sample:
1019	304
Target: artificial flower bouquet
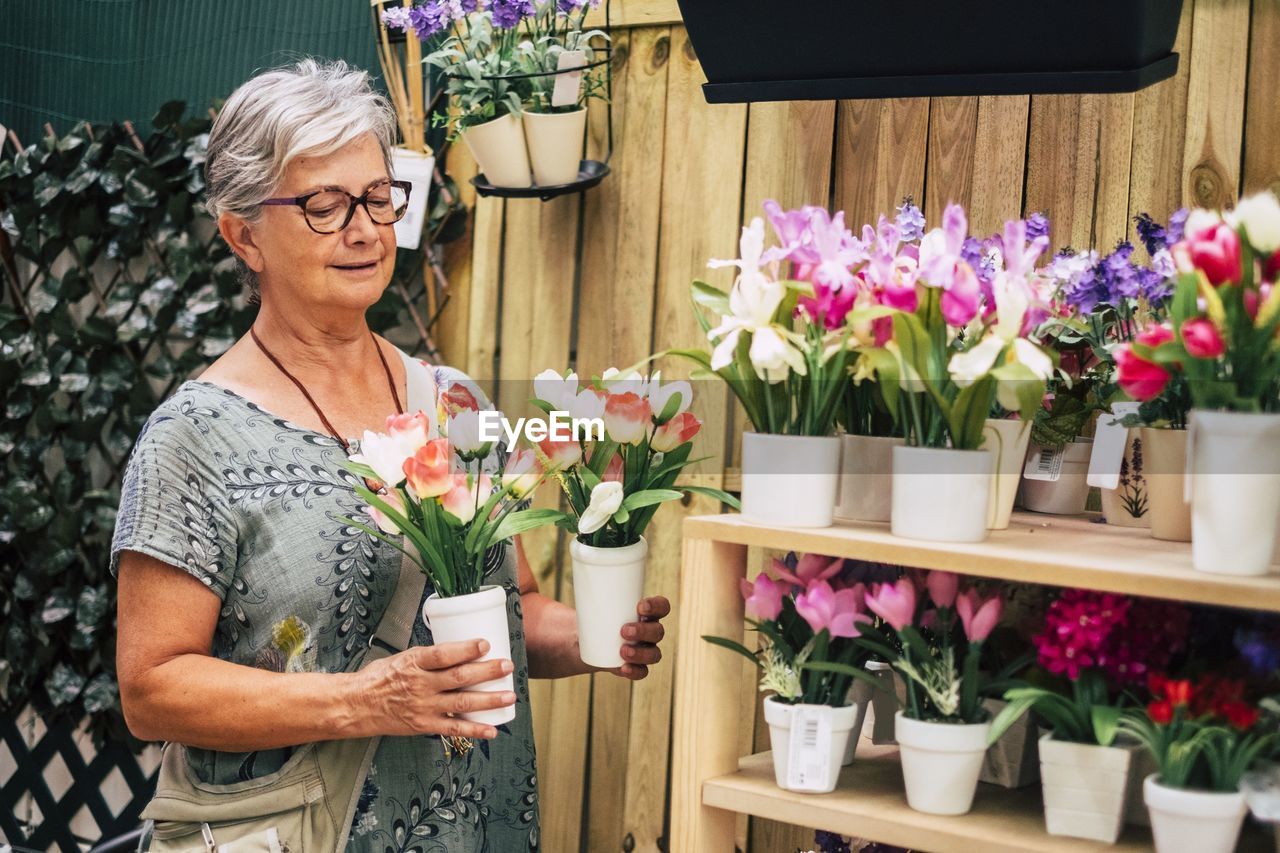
430	497
1095	650
614	481
1204	735
808	613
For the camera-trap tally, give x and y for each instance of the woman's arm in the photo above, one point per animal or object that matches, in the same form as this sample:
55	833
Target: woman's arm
173	689
551	632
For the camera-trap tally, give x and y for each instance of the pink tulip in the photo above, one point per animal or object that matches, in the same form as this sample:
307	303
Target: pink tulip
627	417
978	617
824	608
763	598
1202	339
1141	379
1154	335
810	569
942	587
384	522
465	495
416	423
613	471
561	454
428	470
895	603
675	432
1214	250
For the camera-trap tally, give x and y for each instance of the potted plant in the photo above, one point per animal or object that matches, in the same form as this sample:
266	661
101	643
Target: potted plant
807	618
431	499
1204	736
1056	474
1225	314
1096	647
784	345
944	383
614	479
936	644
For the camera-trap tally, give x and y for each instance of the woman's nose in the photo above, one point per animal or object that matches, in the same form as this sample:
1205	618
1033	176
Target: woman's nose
361	228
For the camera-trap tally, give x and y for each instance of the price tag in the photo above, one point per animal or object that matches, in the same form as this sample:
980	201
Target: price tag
810	748
1045	464
1109	444
568	85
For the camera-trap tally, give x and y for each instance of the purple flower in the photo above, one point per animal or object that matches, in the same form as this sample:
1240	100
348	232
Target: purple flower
1151	233
507	14
1177	224
1037	226
396	18
910	221
429	19
1260	649
792	228
469	6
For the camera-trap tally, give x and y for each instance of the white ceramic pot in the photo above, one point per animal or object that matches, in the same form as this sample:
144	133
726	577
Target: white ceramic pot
1235	491
859	698
940	763
416	168
499	148
884	703
477	615
789	480
940	495
819	776
1013	761
1166	465
1183	820
1007	439
555	145
608	583
866	478
1086	788
1129	504
1070	492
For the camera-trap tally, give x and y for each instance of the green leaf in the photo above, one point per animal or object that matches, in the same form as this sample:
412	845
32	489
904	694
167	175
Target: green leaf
525	520
734	647
1106	721
717	494
649	497
711	297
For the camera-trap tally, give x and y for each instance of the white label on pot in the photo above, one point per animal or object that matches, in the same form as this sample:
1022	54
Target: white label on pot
568	85
1108	446
1045	464
810	749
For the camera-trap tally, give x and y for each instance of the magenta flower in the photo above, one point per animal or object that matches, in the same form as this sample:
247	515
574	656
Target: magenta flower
978	617
894	603
824	608
810	569
1122	636
963	298
763	598
942	587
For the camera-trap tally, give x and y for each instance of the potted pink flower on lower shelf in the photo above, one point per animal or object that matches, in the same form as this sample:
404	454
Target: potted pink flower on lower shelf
808	613
937	633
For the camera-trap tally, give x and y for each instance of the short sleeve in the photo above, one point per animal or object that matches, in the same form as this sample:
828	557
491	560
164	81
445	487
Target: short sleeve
173	504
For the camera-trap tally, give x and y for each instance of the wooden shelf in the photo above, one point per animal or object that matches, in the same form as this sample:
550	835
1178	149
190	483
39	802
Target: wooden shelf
1045	549
869	803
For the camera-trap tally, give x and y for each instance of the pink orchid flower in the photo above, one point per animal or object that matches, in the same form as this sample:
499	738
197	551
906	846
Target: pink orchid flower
763	598
824	608
978	617
943	587
895	603
810	569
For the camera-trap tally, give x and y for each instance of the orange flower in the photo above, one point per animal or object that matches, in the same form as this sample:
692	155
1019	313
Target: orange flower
1178	693
427	471
675	432
561	454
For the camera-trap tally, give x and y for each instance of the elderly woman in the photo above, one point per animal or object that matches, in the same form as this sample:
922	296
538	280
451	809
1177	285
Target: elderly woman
246	604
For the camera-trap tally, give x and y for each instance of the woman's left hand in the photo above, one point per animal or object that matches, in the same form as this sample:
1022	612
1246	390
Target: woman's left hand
641	638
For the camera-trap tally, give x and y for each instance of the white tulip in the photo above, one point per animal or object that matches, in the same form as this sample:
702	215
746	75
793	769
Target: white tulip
1200	219
616	381
464	435
557	390
386	454
606	498
1260	216
660	395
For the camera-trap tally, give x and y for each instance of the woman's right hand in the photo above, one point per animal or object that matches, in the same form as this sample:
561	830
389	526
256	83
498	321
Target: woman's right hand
416	691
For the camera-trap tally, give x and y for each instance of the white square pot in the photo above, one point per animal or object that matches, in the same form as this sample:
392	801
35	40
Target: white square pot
1086	788
1013	761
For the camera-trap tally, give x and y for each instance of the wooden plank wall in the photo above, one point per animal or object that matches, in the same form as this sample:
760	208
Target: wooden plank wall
602	280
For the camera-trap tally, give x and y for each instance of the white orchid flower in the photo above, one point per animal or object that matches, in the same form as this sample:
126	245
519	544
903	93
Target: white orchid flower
1003	339
1260	216
606	499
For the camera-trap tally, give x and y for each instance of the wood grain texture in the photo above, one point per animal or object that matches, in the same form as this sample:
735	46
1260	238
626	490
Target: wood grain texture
1061	165
880	154
1262	113
788	155
1215	103
953	130
1115	148
636	13
999	161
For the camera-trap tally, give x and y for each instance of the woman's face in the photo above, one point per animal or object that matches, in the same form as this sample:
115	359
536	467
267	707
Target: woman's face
348	269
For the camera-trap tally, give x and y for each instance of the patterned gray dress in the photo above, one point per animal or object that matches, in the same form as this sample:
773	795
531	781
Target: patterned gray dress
248	504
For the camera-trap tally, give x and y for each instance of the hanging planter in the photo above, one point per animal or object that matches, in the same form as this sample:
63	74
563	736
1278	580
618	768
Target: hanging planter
930	47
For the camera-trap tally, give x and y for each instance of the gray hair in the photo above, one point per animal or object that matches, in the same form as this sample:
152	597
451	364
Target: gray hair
310	108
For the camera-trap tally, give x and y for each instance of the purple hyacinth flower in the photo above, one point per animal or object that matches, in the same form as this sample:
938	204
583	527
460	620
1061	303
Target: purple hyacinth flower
1177	224
1151	233
429	19
396	18
910	221
507	14
469	6
1037	225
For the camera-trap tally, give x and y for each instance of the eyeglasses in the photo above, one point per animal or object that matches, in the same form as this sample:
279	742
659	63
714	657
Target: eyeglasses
329	211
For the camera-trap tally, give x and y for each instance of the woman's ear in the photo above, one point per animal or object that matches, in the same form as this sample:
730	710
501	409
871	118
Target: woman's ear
238	233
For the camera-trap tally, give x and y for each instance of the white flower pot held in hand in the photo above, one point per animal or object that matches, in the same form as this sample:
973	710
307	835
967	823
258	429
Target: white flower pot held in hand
499	148
1233	460
1007	439
821	769
555	145
608	584
1085	788
941	762
940	495
1183	820
866	478
416	168
479	615
789	480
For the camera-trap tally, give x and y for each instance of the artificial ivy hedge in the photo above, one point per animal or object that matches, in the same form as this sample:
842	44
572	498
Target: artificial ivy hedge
117	289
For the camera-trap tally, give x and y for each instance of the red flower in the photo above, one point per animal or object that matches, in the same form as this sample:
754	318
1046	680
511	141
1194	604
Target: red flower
1178	692
1156	683
1215	251
1141	379
1202	339
1241	715
1160	712
1154	335
1271	270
